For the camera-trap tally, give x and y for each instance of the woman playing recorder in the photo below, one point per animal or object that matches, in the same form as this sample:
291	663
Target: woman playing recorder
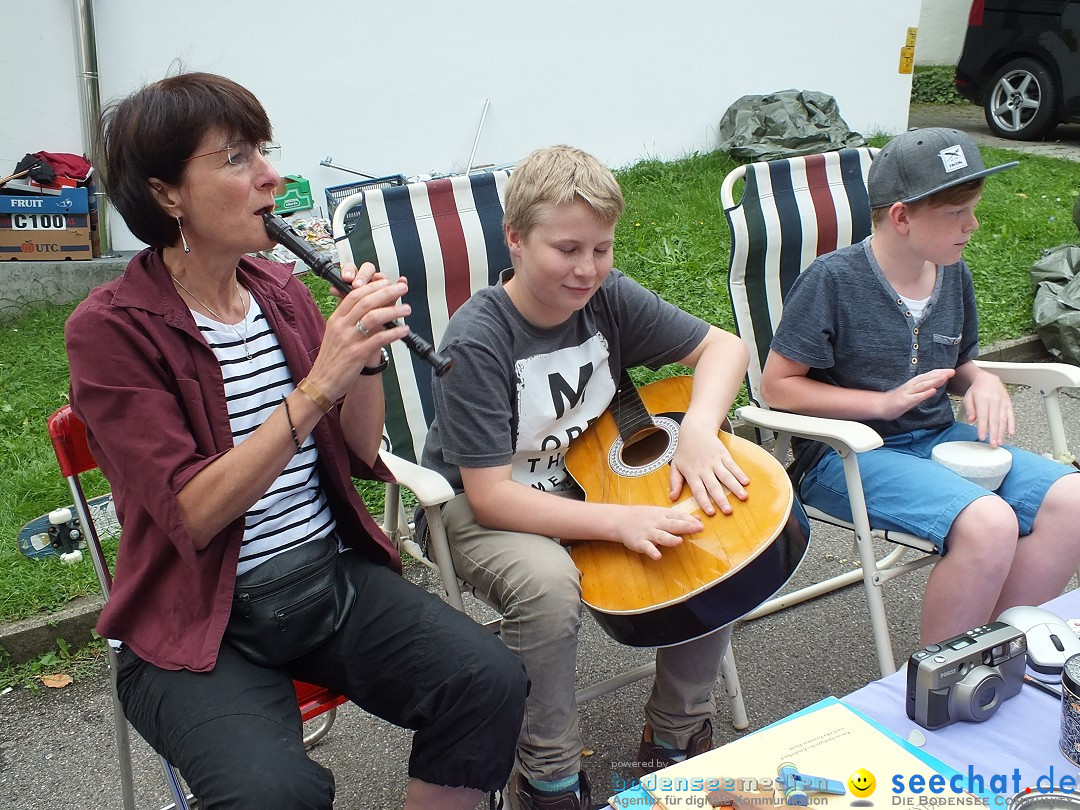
229	419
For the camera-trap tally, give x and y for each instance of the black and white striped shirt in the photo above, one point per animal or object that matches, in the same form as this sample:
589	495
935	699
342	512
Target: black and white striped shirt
294	508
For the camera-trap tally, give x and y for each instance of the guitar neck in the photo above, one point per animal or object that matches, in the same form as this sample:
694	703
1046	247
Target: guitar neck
629	412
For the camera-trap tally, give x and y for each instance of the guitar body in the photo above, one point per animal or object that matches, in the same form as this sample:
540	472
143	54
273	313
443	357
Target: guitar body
713	577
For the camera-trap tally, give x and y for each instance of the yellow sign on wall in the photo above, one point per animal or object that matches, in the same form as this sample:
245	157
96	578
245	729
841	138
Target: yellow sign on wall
907	53
907	60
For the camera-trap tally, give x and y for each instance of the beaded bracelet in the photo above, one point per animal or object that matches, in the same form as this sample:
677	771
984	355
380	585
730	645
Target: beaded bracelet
314	394
292	428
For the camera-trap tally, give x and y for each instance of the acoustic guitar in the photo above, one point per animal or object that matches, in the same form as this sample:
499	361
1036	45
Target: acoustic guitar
714	576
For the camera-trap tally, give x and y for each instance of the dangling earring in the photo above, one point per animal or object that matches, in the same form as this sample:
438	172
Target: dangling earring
183	240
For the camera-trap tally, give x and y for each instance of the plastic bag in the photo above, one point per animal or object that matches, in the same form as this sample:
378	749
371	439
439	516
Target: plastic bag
784	124
1056	310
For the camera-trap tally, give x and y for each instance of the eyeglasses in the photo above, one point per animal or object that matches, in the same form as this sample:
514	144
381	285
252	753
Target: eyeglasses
242	153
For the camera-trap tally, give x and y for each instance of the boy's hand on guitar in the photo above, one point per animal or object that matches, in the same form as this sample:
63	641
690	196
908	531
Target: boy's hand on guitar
646	529
702	462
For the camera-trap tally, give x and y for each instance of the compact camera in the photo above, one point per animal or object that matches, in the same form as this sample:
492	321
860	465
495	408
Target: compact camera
966	677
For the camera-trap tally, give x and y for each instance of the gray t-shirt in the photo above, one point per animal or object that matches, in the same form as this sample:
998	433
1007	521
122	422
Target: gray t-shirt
519	394
844	320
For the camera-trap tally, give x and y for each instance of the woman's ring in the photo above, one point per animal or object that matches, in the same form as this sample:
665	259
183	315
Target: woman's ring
363	330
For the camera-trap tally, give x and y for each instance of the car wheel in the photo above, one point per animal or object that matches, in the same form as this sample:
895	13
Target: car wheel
1021	101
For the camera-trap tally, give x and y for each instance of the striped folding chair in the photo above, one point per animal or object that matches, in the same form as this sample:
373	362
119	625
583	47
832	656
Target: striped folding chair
446	237
789	212
318	704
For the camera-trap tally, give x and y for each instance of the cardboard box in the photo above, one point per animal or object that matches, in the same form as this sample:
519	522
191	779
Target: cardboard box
70	201
73	241
293	193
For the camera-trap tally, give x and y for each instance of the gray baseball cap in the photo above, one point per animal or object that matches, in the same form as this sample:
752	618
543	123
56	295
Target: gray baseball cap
922	162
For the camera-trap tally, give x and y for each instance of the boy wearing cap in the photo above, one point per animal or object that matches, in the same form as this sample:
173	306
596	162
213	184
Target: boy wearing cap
881	332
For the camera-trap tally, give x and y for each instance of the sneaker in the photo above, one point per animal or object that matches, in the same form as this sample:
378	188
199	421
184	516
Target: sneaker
652	756
524	796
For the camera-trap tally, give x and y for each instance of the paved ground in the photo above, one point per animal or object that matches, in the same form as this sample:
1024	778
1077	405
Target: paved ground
56	748
1062	142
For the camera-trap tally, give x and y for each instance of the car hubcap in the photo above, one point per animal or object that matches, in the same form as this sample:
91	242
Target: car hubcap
1016	100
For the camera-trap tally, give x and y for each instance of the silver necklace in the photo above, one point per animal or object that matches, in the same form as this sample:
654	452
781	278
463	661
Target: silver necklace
218	318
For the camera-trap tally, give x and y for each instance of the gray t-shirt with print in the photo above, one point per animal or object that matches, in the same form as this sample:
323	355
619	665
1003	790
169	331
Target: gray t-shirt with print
519	394
844	320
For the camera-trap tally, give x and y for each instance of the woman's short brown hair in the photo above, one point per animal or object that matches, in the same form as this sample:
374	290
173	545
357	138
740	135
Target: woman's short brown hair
155	129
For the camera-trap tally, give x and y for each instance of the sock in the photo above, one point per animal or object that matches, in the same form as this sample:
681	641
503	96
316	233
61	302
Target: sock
551	788
677	754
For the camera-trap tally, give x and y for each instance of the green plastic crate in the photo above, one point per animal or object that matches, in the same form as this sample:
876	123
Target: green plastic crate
296	196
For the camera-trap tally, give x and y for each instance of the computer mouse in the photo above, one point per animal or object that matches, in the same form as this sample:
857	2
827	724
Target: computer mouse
1049	640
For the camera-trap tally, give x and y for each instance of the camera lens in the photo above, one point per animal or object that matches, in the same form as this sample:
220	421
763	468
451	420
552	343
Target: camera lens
977	696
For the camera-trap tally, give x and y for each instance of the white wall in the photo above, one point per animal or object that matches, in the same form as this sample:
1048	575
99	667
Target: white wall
942	25
399	87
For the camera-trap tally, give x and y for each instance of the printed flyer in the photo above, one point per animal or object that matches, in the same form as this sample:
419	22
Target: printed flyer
828	755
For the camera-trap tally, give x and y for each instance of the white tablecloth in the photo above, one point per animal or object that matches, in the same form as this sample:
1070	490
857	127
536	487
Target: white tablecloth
1015	749
1022	734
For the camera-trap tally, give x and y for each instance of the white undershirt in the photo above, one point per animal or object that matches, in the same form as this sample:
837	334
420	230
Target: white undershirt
915	307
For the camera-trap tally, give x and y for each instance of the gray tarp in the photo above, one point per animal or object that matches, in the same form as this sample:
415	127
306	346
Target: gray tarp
1056	310
784	124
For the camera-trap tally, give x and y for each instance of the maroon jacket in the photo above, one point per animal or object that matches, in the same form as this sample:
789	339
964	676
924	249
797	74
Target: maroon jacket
151	394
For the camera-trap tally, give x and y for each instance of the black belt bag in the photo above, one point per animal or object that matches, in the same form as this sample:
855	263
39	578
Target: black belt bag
291	603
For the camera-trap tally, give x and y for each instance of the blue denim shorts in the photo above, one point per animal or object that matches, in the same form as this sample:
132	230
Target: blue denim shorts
907	491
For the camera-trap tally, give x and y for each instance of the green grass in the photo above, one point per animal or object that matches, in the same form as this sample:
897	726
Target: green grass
1023	211
33	383
673	238
61	660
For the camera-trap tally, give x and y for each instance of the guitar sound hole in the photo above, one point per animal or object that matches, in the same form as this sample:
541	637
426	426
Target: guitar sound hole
645	447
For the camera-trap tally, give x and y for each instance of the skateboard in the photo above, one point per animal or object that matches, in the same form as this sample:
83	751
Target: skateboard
59	533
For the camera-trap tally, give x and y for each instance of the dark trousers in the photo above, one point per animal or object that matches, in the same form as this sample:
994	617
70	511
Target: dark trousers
403	655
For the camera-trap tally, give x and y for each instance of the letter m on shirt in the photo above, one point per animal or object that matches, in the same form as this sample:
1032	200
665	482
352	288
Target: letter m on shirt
563	394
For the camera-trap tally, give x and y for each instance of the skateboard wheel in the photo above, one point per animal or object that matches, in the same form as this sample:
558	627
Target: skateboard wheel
58	517
71	557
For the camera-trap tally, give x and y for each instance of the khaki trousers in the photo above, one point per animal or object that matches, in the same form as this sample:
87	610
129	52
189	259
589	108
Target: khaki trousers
531	580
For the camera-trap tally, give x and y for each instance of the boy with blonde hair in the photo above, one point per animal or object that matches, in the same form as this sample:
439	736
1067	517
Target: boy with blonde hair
882	332
537	358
